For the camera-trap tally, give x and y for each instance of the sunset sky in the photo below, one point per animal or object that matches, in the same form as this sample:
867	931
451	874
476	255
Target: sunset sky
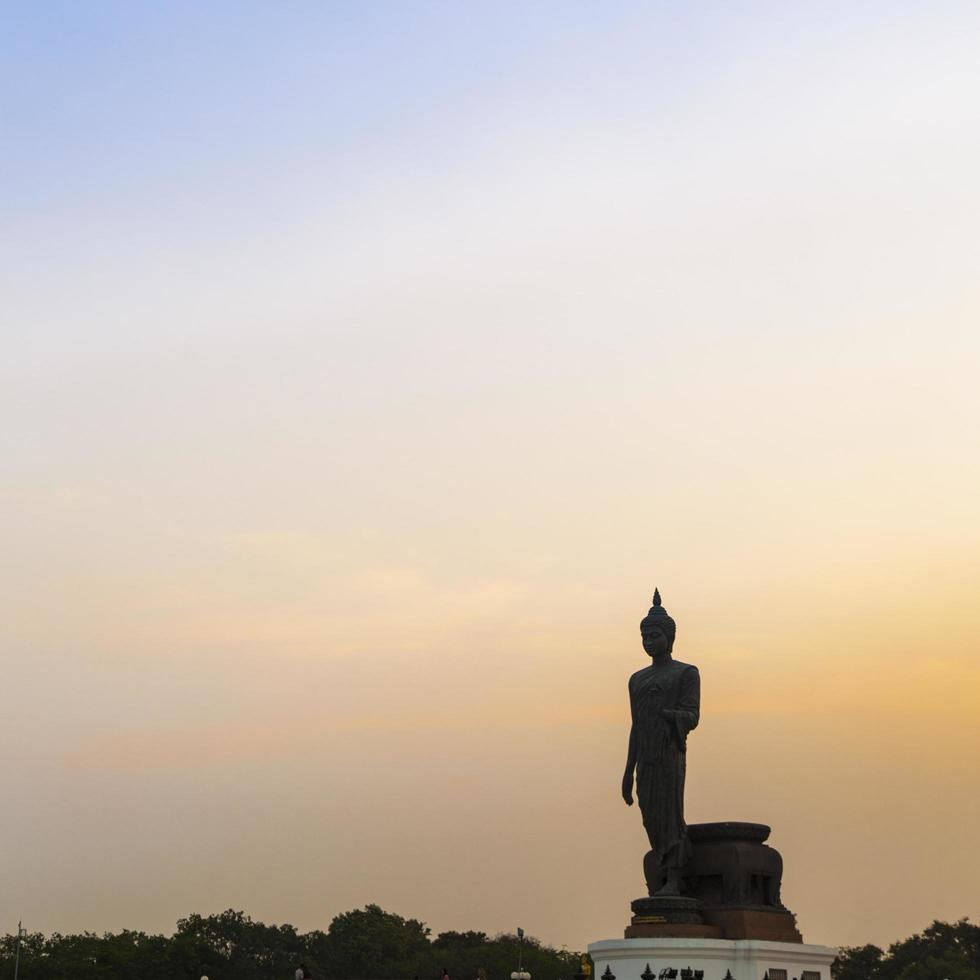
365	367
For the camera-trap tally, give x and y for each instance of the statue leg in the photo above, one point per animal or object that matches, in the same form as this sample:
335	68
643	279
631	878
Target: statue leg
672	886
673	863
653	873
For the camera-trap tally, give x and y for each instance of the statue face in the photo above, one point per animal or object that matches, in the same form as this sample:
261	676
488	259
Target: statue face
655	642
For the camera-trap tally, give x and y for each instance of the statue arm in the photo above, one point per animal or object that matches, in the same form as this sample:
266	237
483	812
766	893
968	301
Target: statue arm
630	761
686	713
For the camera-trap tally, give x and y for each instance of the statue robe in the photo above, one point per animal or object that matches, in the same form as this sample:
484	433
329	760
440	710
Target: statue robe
665	701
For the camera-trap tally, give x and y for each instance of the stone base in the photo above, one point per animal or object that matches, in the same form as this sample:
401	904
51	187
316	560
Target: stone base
745	959
771	925
672	930
669	915
667	908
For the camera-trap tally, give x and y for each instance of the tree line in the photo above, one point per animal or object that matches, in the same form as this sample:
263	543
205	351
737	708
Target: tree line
944	951
365	944
371	944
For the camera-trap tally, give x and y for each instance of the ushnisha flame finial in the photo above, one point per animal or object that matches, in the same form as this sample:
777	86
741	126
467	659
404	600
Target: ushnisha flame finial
659	618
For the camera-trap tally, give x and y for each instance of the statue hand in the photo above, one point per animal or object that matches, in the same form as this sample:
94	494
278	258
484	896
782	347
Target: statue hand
628	789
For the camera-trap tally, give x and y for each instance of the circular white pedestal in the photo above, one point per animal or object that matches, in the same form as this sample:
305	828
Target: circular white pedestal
745	959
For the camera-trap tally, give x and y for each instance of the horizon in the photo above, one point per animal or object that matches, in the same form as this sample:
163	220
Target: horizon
431	934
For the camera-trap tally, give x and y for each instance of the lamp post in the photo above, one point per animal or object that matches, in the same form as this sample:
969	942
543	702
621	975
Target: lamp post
20	932
520	973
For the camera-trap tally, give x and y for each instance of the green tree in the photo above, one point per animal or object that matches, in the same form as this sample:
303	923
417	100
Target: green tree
943	951
371	944
231	945
365	944
459	940
858	963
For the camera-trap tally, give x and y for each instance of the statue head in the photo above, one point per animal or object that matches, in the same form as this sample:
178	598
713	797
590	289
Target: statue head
657	629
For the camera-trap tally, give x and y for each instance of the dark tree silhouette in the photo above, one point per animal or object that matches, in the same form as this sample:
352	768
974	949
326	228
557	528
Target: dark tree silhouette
365	944
944	951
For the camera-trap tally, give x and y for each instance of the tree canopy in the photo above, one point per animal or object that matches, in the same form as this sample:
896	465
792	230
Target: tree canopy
365	944
372	944
944	951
